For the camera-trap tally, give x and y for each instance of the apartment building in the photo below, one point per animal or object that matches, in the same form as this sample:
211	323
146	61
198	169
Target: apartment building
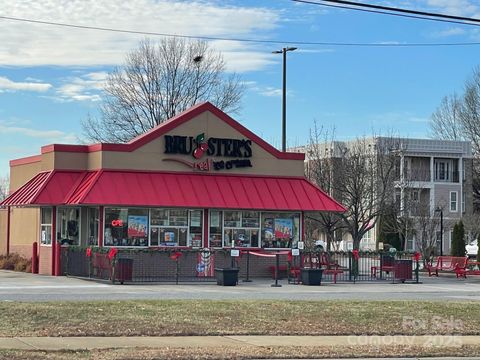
433	178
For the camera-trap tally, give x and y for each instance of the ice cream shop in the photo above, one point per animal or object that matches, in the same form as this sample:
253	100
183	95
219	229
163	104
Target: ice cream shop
200	180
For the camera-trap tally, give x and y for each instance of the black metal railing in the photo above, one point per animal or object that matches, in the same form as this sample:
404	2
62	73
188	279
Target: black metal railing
198	265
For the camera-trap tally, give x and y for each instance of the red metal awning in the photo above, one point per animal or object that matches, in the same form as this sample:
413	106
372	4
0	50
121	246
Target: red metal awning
45	188
203	191
193	190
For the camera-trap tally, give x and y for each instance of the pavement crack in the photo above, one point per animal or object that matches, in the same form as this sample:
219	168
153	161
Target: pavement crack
27	343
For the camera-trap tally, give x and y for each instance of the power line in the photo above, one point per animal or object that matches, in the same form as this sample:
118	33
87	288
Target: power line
260	41
438	17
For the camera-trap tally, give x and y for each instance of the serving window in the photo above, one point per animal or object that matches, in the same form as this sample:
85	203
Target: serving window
126	227
46	226
241	228
280	230
153	227
68	225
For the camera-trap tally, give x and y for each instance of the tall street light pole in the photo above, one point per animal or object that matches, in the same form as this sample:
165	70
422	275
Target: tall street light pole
284	95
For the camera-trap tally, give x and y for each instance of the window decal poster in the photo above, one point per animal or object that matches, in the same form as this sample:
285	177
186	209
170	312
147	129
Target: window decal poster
283	228
268	226
137	226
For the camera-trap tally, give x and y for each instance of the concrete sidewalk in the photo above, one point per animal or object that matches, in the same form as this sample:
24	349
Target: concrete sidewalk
90	343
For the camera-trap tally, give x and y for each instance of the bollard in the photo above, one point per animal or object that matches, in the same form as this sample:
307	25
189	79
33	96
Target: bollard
58	253
248	268
35	258
277	260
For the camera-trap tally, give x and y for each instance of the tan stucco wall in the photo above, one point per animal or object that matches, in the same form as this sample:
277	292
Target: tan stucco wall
21	174
151	155
71	160
24	226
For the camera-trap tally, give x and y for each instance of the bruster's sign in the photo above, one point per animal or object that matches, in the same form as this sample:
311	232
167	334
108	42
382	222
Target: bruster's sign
198	147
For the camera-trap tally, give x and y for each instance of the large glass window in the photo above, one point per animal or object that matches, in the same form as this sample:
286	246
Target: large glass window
126	227
241	228
176	227
68	225
280	230
93	221
216	222
46	226
195	229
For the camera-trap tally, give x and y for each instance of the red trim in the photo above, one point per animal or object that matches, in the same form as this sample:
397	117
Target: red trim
35	258
205	173
205	228
26	160
58	256
54	237
100	226
169	125
302	220
8	230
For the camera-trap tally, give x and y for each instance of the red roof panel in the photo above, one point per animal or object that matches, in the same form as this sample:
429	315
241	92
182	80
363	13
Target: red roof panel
203	191
45	188
194	190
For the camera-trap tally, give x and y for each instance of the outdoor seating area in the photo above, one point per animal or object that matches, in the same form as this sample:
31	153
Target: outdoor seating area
190	265
454	264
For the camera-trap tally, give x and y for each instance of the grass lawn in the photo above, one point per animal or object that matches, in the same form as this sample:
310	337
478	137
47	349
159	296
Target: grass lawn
170	317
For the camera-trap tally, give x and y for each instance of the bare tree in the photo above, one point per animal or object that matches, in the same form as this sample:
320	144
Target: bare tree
157	82
319	169
446	120
426	230
367	176
360	175
4	187
458	118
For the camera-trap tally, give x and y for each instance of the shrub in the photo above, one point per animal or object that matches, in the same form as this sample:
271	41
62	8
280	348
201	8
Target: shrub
15	262
458	240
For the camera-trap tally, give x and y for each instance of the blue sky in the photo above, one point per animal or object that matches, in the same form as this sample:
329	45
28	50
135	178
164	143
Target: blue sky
51	77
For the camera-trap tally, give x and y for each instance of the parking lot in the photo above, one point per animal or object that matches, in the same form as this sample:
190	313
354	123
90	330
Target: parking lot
15	286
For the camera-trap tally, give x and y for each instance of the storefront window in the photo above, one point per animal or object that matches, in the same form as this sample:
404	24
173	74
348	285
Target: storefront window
176	227
68	227
46	226
280	230
241	228
126	227
216	221
93	221
196	221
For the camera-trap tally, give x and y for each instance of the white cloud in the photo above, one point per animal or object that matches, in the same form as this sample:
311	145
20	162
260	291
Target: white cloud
9	85
268	91
51	135
455	7
86	87
454	31
28	44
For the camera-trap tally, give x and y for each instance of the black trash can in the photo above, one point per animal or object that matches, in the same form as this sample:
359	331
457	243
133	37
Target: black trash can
124	270
311	276
403	270
226	276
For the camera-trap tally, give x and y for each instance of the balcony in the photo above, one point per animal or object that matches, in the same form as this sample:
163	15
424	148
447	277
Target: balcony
447	176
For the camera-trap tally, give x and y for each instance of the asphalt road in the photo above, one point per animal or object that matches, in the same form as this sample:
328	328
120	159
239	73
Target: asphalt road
16	286
27	287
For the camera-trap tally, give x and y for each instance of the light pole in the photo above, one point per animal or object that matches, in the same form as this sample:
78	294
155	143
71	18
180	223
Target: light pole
440	210
284	95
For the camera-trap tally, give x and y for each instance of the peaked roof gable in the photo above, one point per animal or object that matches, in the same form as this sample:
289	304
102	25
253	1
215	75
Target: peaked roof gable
171	124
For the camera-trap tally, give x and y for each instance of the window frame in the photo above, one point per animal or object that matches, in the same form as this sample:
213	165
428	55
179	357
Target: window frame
454	201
